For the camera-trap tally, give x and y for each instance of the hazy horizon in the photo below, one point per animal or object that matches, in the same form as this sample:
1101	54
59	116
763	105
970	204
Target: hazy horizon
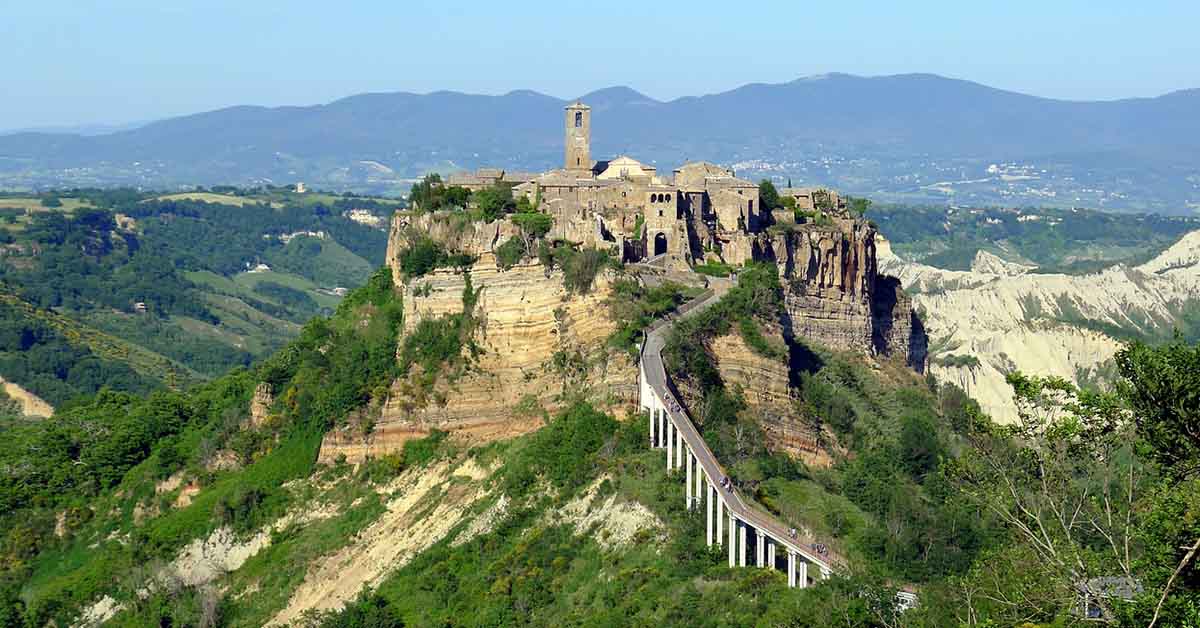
126	61
104	126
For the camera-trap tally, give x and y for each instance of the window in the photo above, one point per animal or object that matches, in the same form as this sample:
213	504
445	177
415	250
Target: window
577	160
751	207
578	119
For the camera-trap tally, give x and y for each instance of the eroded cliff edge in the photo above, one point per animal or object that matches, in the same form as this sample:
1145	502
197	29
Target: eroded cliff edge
835	295
533	346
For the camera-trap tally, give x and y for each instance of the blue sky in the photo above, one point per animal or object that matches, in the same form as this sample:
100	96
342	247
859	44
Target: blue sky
108	61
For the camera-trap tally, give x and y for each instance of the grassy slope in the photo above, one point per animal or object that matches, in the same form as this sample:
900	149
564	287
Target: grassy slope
209	197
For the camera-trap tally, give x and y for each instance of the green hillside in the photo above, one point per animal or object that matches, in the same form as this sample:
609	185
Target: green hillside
579	523
169	285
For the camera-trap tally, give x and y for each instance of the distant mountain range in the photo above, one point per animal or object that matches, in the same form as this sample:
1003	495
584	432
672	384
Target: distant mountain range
913	136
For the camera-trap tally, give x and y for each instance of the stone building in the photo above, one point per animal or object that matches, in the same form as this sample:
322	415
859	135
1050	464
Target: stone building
674	220
704	212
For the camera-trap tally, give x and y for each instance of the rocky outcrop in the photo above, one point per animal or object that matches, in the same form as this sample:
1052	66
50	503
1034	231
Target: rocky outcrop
764	381
765	385
454	230
260	404
834	295
999	317
538	346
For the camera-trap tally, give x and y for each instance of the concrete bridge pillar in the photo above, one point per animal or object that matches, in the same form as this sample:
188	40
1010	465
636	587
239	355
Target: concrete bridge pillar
687	461
708	518
662	429
732	540
699	481
770	553
720	516
670	445
801	574
742	544
824	573
678	448
653	428
791	568
759	546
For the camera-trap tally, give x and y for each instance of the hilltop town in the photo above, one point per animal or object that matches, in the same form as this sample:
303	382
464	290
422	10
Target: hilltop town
704	216
699	211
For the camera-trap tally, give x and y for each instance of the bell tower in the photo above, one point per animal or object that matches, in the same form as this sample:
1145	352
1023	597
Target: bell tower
579	139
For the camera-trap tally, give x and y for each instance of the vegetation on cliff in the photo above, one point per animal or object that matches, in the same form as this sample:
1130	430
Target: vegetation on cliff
422	254
634	307
533	568
884	504
925	489
108	452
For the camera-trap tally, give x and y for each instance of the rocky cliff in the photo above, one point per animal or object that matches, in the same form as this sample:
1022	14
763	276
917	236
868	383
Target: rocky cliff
834	294
539	345
765	385
999	316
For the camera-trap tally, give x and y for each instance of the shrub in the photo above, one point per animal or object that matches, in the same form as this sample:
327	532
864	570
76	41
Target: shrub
494	202
510	253
564	452
423	255
634	306
533	224
714	269
579	267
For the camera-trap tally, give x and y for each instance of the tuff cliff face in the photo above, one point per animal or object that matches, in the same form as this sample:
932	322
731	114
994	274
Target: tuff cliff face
834	294
538	345
765	385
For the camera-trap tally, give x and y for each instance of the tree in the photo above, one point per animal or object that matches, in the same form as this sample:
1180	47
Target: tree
424	192
858	206
1065	481
533	225
1162	386
494	201
51	201
919	444
768	196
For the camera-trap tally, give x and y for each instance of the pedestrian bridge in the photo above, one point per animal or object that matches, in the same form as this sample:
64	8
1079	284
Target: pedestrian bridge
730	520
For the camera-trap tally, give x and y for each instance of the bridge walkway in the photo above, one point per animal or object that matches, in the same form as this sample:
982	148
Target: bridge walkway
672	429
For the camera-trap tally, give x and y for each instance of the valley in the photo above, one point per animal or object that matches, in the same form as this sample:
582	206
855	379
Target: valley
169	290
1002	316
